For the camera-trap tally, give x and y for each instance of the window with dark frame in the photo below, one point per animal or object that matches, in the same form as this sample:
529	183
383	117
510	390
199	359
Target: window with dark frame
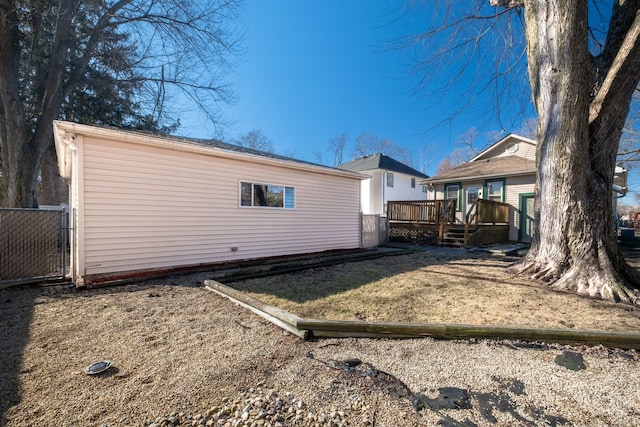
389	179
413	183
266	195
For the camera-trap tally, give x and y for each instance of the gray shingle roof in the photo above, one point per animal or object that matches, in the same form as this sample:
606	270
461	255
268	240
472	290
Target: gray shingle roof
495	166
380	161
214	143
237	148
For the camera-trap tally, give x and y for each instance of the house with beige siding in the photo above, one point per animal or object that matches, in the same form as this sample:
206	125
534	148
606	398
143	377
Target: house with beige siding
388	180
506	173
142	203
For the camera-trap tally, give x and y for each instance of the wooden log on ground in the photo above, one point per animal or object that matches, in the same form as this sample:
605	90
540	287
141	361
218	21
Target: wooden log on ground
335	328
281	318
305	328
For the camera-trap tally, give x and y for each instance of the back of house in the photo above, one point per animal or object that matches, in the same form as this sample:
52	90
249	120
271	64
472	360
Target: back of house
505	172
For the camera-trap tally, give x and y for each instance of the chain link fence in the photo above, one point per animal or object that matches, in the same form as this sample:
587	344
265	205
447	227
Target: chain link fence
33	244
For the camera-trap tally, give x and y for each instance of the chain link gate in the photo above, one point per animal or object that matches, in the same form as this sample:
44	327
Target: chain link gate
33	245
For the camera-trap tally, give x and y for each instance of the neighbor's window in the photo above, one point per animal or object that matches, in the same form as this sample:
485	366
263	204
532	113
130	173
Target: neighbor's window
266	195
389	179
413	183
424	188
495	191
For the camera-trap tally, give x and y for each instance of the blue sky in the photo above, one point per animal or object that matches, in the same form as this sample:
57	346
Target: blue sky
315	69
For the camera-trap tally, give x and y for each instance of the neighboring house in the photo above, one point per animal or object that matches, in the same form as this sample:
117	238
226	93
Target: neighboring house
143	204
388	180
505	172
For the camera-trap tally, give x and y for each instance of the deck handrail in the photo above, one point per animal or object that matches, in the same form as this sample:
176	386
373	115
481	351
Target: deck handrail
471	216
483	211
441	214
429	211
492	212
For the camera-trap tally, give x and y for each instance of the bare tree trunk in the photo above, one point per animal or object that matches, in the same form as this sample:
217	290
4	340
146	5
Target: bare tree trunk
53	190
574	245
21	171
20	182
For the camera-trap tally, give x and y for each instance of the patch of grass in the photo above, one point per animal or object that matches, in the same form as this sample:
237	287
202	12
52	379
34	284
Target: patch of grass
435	287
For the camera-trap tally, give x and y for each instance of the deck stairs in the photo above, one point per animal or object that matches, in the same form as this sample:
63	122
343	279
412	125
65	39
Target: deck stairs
454	235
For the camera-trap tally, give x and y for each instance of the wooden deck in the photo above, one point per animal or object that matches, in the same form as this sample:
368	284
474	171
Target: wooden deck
434	222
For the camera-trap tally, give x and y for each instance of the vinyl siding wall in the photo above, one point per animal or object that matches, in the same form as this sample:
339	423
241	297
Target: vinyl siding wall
402	190
150	208
524	149
380	194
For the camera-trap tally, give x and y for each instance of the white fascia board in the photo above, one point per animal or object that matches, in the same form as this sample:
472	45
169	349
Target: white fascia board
65	145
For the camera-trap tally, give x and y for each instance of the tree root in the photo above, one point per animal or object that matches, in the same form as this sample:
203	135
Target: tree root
534	271
589	279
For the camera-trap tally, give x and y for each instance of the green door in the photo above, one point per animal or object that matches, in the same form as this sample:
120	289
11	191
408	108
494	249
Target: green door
526	217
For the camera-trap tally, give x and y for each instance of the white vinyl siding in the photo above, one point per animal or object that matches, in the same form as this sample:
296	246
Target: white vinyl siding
149	207
523	148
376	193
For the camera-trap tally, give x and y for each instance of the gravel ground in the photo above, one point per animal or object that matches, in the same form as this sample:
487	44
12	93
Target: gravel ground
184	356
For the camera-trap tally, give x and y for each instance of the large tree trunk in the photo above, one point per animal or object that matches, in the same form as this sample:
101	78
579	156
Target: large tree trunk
53	189
574	245
12	119
20	173
20	178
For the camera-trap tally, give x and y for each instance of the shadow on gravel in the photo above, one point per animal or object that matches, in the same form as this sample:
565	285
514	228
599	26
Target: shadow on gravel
502	399
16	313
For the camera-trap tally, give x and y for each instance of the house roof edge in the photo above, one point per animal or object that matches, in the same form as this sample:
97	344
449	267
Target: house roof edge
194	145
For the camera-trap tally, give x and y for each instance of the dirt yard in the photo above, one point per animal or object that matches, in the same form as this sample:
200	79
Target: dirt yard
182	355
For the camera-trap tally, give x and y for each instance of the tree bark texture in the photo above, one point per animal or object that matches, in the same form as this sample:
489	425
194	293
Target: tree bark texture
582	103
24	147
52	188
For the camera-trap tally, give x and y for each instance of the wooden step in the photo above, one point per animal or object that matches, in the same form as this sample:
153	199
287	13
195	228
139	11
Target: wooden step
454	236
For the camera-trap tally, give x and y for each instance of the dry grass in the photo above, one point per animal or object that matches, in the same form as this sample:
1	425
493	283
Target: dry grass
436	286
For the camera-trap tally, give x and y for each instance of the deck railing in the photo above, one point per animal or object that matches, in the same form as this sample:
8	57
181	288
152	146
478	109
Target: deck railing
485	212
442	213
488	212
422	211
